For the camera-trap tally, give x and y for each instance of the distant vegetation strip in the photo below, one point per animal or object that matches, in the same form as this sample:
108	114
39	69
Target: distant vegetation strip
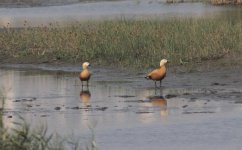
224	2
124	43
37	3
214	2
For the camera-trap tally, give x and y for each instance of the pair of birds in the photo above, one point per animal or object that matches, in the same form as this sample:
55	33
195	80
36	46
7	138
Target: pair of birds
155	75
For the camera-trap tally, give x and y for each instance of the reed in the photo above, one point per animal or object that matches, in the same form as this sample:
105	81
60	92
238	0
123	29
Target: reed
124	43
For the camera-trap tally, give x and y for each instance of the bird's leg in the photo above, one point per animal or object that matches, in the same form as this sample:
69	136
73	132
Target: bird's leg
160	83
82	84
87	83
160	92
155	84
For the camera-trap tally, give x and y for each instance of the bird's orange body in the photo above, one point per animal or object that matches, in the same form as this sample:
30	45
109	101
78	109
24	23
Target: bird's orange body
85	75
158	74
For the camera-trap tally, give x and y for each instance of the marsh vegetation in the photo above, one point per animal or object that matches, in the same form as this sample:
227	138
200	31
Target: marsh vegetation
129	43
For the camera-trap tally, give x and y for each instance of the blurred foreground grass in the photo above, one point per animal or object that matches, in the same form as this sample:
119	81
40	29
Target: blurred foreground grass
22	137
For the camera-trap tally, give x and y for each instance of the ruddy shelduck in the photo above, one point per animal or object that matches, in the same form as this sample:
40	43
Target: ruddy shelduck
85	74
158	74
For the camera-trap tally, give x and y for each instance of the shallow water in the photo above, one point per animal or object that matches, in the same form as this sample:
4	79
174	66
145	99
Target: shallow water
131	9
190	111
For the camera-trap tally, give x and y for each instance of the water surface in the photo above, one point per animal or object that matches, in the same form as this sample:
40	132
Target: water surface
190	111
130	9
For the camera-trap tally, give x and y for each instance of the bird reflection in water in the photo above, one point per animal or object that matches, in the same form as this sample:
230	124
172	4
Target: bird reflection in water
159	101
85	96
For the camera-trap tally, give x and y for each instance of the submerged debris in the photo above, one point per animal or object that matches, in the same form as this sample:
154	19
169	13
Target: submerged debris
124	96
168	96
101	108
57	108
88	108
26	99
143	112
184	106
76	107
216	84
238	102
134	101
199	112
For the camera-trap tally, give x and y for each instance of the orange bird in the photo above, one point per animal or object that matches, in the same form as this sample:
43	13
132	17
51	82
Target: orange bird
158	74
85	74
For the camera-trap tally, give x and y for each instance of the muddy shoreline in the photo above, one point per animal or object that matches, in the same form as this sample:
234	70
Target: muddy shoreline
230	62
227	66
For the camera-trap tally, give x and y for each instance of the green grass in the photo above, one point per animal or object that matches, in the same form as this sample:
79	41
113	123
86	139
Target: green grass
124	43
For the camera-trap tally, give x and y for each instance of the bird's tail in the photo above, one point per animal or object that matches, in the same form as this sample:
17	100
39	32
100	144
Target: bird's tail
147	77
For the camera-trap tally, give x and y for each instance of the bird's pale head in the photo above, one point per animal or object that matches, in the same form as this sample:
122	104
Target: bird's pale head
85	65
163	62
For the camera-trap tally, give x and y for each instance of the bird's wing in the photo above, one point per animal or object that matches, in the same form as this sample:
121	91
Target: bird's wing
156	71
157	74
